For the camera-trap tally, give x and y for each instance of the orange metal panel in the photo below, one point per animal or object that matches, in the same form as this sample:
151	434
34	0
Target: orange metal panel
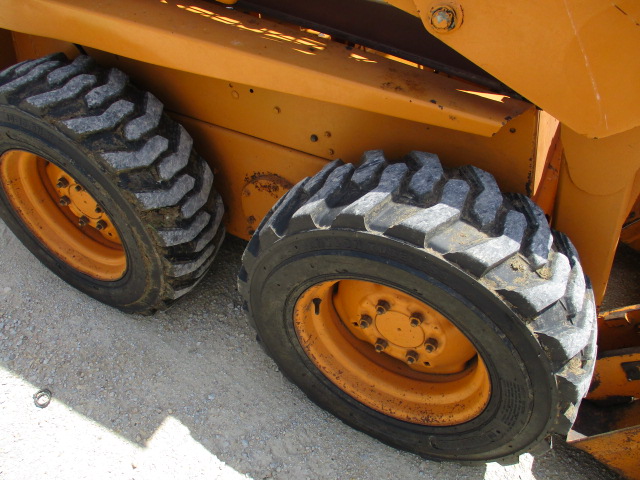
619	450
617	375
576	59
246	168
210	40
619	328
597	183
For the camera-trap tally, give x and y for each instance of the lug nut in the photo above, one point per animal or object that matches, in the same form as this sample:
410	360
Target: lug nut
412	357
365	321
101	225
64	201
431	345
380	345
98	209
382	307
78	188
62	182
416	319
82	221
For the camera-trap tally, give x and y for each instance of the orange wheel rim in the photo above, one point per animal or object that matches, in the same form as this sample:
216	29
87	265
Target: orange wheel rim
392	352
62	215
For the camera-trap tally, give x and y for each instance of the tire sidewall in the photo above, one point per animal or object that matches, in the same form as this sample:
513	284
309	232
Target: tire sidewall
139	285
523	391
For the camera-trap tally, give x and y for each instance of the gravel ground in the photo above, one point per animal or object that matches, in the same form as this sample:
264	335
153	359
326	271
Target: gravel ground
183	394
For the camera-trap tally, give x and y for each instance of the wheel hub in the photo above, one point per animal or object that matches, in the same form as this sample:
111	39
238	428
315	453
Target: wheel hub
392	352
62	215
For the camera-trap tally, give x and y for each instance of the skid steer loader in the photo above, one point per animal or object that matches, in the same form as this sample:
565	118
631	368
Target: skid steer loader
363	148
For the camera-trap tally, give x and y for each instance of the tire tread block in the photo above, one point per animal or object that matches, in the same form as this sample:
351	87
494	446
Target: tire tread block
69	91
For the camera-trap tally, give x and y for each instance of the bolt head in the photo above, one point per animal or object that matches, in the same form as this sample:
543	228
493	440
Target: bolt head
443	18
382	307
98	209
416	319
431	345
380	345
78	188
82	221
365	321
62	182
101	225
64	201
412	357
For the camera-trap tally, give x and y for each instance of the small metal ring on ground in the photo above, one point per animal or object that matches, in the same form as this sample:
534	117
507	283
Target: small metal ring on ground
42	398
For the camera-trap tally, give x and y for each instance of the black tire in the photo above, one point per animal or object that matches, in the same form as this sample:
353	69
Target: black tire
451	239
137	163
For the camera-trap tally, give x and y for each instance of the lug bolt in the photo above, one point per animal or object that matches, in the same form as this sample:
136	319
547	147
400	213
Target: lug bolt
380	345
412	357
365	321
382	307
64	201
62	182
416	319
82	221
431	345
78	188
98	209
101	225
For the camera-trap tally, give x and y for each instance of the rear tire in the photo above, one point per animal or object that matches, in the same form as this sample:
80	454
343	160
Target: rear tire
486	262
148	204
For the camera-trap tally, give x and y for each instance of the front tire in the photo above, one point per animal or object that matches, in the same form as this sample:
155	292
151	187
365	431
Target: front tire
482	326
102	186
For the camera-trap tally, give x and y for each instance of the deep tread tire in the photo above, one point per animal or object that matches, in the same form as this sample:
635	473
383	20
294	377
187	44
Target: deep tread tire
134	160
526	304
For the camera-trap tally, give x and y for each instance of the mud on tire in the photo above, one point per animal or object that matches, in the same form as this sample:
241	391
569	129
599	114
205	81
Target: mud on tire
449	238
133	160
